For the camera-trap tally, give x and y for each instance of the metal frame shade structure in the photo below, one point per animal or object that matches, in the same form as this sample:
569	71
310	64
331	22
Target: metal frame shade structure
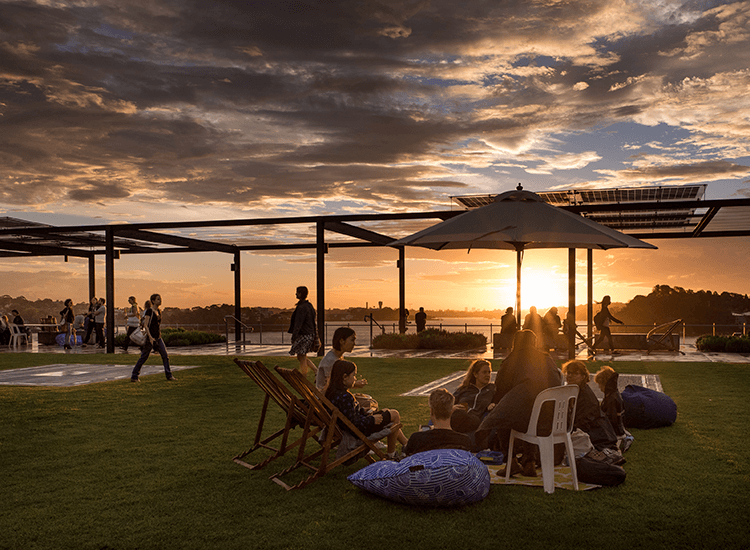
661	212
520	220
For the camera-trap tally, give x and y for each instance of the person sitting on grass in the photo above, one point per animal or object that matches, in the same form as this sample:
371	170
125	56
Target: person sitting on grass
473	398
612	405
589	416
343	377
343	342
441	436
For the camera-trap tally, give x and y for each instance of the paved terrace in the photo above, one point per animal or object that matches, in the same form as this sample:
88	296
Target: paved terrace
61	374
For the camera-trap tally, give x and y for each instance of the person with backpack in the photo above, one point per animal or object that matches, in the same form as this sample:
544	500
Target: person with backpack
601	321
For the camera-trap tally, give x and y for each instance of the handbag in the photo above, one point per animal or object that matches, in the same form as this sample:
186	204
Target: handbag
138	336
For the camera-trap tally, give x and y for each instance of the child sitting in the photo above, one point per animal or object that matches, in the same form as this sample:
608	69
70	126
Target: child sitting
612	405
343	378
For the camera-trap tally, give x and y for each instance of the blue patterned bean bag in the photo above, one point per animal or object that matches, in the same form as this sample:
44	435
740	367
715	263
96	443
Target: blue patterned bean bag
443	477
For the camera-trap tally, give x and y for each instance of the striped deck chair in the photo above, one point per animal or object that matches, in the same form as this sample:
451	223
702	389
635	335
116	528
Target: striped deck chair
363	447
298	415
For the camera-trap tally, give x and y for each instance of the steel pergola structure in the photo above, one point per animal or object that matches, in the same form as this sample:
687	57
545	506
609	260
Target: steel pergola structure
648	220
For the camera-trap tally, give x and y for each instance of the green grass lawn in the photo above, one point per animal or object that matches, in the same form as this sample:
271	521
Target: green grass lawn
124	466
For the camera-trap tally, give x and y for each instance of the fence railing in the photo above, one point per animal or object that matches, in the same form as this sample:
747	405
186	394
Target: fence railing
275	334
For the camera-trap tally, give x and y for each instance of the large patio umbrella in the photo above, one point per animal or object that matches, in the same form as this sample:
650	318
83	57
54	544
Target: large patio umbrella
519	220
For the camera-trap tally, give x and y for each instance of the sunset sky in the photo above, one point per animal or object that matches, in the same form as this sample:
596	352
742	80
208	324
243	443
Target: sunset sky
125	111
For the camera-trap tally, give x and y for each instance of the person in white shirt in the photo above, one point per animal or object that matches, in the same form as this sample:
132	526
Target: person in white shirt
343	342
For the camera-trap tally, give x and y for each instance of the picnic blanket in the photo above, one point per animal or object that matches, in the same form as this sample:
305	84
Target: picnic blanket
563	479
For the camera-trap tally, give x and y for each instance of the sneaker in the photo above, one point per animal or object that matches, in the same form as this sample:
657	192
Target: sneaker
171	379
380	445
627	442
395	455
135	379
515	468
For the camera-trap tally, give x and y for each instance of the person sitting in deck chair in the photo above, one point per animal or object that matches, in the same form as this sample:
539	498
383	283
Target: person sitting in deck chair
343	377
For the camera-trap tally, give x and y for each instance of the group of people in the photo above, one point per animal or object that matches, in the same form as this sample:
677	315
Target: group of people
547	327
479	414
6	325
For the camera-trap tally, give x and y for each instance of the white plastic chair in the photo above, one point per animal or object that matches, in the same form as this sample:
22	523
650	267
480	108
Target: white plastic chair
565	399
16	335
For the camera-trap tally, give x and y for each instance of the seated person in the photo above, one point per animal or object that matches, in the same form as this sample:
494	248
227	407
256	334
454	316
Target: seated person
522	375
589	416
441	436
343	377
612	405
343	342
473	397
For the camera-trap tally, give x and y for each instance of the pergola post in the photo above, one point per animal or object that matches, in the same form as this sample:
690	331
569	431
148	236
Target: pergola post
401	290
109	272
321	283
590	296
571	303
237	297
92	276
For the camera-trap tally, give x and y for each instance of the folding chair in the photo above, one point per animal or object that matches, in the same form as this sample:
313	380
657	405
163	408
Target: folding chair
297	414
663	342
324	409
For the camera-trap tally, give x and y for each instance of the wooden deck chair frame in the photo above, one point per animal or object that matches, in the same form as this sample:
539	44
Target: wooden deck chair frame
658	338
324	409
297	414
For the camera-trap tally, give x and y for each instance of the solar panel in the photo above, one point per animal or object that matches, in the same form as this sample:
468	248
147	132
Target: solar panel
620	220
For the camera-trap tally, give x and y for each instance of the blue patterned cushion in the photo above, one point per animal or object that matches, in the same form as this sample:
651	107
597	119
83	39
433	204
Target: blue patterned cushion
443	477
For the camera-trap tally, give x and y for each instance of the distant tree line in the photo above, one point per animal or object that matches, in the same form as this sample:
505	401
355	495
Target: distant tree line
662	305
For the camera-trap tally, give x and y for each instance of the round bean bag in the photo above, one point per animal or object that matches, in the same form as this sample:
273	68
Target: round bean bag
645	408
443	477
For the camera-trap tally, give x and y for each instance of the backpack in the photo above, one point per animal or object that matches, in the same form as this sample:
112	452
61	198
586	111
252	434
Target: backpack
599	319
599	472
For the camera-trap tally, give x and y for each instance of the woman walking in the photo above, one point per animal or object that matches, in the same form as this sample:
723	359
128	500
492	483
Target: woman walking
152	324
133	312
66	322
304	332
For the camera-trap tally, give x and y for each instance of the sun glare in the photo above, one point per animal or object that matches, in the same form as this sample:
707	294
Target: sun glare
543	290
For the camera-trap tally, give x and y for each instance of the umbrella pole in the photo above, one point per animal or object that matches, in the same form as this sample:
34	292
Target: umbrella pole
519	258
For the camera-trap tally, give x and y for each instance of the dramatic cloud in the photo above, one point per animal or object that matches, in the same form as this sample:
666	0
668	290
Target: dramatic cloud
388	105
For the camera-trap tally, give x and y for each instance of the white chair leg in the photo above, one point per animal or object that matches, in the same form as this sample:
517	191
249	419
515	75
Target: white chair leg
571	460
508	458
547	455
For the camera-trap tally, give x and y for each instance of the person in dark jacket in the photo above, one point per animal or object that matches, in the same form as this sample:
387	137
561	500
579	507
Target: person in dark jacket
67	316
508	328
589	416
533	322
441	436
473	398
602	321
304	332
612	405
522	375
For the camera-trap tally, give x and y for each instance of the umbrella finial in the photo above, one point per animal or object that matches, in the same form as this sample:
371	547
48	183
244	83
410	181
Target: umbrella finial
519	187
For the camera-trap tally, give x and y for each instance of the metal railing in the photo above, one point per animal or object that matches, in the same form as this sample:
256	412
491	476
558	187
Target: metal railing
243	325
276	334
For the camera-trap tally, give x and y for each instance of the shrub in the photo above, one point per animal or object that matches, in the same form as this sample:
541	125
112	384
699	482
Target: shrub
729	344
430	339
174	337
711	343
738	345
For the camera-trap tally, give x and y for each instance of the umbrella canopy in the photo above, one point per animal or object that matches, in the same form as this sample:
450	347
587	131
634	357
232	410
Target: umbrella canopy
519	220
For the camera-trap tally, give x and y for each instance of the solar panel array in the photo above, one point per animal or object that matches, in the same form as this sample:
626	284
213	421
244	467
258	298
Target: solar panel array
625	221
